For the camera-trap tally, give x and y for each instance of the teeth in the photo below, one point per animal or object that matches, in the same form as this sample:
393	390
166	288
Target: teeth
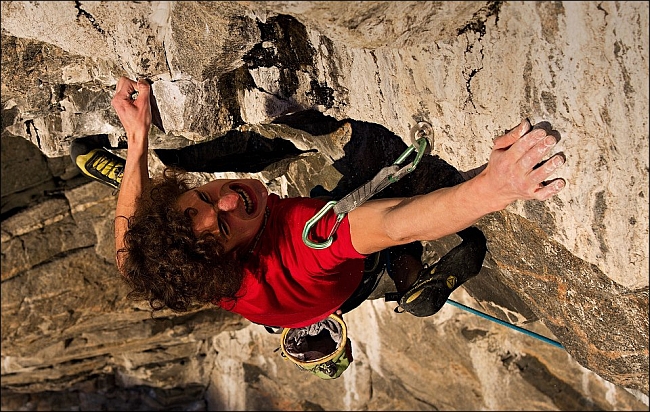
247	201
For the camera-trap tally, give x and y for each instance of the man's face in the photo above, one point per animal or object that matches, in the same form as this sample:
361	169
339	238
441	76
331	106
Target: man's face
232	210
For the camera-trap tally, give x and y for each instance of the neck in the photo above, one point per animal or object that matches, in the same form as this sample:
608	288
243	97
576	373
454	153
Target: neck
259	233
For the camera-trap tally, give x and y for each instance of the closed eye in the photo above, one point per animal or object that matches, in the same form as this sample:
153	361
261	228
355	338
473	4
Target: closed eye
203	197
223	228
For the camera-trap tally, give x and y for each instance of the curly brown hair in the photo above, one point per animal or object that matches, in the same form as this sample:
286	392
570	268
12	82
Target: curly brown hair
165	262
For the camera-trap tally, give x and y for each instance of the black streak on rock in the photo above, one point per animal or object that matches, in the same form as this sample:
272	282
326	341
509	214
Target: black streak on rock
285	44
91	19
29	125
477	25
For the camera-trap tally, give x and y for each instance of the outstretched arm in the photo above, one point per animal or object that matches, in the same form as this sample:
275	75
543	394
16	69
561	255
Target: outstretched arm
510	175
135	115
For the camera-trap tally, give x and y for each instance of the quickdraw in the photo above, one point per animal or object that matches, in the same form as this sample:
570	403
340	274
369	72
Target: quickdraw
421	134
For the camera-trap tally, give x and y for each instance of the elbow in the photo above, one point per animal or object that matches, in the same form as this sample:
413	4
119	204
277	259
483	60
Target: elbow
402	240
400	233
399	223
120	264
121	270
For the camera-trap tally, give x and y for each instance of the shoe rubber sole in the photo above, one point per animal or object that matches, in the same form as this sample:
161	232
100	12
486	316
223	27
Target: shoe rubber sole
434	284
98	163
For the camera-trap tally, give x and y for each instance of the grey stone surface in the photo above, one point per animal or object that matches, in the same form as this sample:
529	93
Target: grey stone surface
301	94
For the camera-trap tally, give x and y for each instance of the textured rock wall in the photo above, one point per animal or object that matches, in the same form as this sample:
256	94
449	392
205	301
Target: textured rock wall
575	267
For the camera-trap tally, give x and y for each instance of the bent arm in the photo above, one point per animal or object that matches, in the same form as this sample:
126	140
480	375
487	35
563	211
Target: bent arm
135	115
511	174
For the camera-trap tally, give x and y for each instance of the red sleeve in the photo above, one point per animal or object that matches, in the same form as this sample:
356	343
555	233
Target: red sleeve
319	261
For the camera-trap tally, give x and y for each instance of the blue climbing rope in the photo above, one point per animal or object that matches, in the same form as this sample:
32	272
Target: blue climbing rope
510	325
492	318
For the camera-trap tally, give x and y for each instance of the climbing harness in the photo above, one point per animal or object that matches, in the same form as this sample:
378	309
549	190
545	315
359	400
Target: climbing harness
421	136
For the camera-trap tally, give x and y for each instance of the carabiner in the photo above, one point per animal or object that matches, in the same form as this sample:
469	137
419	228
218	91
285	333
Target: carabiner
408	169
422	129
311	222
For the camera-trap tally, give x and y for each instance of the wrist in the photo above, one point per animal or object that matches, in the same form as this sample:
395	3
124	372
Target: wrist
137	142
485	197
137	137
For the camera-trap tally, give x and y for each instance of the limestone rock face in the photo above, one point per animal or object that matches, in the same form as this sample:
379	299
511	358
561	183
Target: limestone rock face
302	94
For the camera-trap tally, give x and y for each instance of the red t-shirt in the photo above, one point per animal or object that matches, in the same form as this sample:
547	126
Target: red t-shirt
296	285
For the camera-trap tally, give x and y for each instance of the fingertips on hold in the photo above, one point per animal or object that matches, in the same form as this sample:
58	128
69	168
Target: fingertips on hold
559	159
524	127
144	81
538	134
548	128
141	86
550	189
518	130
559	184
549	141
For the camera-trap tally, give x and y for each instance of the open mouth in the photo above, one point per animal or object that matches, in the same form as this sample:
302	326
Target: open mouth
247	196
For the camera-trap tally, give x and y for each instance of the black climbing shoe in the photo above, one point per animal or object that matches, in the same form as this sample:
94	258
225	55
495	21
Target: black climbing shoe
434	284
97	162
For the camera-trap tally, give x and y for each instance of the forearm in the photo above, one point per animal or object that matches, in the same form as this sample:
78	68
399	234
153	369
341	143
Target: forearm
383	223
134	182
440	213
135	115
